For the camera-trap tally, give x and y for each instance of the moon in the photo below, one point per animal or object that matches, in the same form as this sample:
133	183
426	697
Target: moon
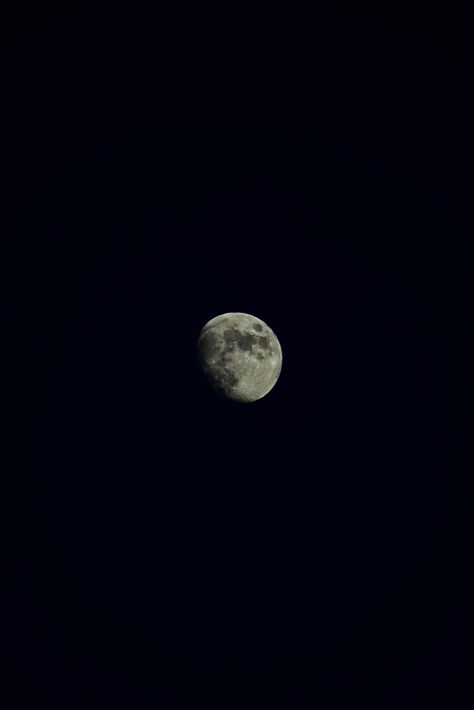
240	356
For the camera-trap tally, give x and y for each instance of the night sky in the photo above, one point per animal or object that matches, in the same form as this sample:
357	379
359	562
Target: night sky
165	548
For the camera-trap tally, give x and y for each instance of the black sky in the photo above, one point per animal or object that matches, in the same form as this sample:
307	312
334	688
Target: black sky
168	549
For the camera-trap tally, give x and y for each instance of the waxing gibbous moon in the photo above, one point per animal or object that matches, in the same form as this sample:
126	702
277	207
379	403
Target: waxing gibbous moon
240	356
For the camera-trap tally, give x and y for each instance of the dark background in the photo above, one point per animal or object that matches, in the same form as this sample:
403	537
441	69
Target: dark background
164	548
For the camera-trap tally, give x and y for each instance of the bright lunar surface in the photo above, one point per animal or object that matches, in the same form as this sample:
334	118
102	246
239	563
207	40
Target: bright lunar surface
240	355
